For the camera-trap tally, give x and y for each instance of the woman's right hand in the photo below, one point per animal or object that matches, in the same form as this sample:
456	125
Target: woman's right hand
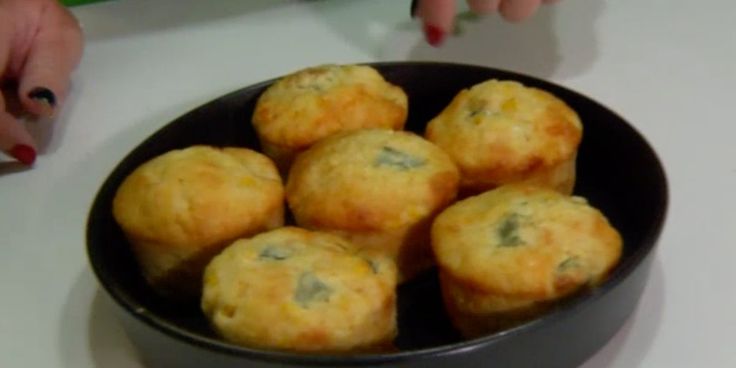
438	16
40	45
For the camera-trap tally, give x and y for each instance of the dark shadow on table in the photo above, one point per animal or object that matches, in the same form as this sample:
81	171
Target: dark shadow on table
88	324
647	319
363	24
110	346
90	331
558	42
533	47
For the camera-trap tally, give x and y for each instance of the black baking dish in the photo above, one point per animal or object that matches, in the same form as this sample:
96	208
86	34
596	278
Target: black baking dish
618	172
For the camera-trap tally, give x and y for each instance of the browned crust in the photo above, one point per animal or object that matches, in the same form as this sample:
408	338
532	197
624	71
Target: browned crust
496	162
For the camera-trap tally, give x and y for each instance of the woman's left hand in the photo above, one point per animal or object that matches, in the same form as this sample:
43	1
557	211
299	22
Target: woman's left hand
40	45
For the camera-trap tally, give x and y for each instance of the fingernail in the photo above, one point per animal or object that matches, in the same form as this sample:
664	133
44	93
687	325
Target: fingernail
43	95
24	153
433	34
414	4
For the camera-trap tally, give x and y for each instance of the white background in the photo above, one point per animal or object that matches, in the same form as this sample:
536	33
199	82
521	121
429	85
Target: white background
668	66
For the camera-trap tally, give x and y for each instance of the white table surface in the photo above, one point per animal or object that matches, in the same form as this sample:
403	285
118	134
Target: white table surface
668	66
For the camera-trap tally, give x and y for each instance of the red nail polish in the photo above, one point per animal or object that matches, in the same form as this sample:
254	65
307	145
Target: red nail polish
24	153
434	34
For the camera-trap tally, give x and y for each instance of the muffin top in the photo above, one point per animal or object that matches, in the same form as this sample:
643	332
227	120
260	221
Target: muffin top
370	179
499	130
525	241
312	103
198	196
300	290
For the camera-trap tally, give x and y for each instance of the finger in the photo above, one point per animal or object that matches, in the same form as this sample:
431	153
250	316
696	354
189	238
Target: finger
518	10
55	53
15	140
438	17
483	6
6	38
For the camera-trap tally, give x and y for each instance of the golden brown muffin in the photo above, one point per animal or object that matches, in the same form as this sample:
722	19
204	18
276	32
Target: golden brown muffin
313	103
508	254
295	290
501	132
378	188
181	208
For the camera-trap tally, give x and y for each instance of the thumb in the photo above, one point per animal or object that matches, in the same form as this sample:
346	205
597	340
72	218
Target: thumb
53	56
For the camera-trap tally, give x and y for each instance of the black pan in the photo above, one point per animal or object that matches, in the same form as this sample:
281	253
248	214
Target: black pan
618	172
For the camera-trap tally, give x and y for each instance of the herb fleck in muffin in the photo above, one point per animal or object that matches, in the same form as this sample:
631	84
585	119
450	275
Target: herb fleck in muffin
379	188
509	254
295	290
501	132
313	103
181	208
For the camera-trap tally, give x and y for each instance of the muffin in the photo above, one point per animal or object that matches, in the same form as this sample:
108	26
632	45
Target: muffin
313	103
378	188
502	132
181	208
509	254
295	290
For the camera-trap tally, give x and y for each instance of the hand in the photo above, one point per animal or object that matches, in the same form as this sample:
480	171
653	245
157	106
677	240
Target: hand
439	15
40	45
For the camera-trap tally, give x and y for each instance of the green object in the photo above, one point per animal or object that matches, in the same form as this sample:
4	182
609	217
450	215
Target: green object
461	19
398	159
310	289
79	2
275	253
508	231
